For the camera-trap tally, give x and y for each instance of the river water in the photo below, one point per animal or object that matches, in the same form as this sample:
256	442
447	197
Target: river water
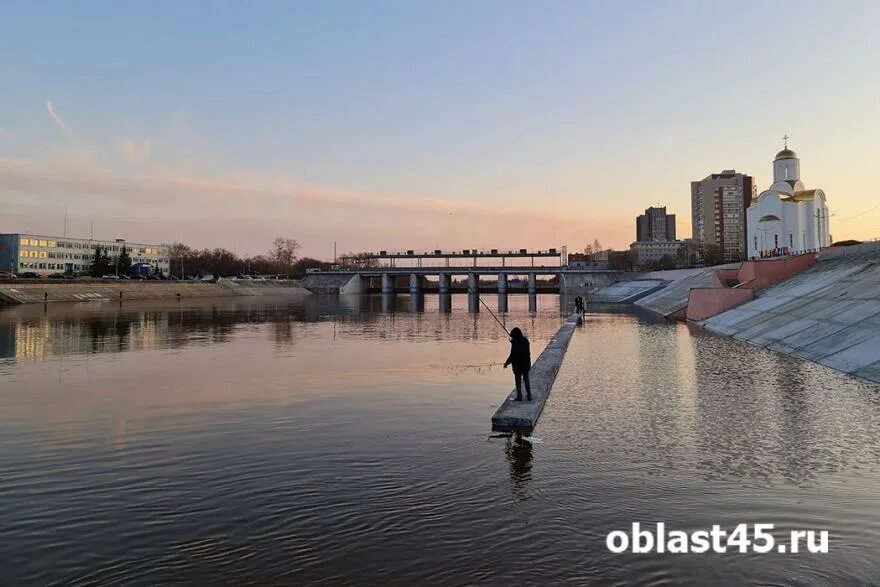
326	441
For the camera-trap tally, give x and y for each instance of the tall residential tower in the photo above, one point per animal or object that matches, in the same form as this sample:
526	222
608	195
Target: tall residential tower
718	209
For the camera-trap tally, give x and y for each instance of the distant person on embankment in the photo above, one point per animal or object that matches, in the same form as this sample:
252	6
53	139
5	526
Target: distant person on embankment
521	359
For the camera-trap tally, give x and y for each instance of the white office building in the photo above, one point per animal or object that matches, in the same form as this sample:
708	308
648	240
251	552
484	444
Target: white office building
45	255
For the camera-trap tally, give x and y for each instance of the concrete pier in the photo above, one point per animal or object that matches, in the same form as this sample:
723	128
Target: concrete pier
502	283
514	416
473	287
444	283
415	283
533	284
387	283
473	283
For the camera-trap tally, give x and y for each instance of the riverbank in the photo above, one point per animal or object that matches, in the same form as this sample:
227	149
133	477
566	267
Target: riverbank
43	291
828	314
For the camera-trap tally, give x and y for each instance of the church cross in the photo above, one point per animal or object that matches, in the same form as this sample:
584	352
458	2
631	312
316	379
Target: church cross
785	138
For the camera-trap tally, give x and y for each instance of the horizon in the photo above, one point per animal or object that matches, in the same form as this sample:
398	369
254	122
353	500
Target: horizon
401	126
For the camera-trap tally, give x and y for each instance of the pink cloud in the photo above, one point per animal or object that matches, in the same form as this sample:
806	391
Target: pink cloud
245	214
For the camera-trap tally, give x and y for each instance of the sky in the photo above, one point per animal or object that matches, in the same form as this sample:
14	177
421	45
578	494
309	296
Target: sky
421	125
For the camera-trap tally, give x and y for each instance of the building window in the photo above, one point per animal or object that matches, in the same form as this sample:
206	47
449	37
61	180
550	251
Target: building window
776	241
756	243
52	244
790	240
24	242
34	242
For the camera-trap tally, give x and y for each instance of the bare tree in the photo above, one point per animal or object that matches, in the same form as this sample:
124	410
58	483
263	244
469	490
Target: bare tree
284	252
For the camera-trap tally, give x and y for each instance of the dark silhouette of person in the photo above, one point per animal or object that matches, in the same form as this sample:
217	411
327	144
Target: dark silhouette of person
579	305
521	359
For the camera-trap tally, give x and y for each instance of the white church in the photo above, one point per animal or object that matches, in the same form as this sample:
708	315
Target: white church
787	219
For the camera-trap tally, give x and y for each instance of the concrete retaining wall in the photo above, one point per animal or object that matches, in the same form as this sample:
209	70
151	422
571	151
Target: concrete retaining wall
333	283
626	292
83	291
674	297
707	302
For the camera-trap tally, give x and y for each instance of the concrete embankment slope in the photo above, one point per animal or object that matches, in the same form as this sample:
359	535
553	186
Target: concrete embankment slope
627	292
521	416
22	292
674	297
829	313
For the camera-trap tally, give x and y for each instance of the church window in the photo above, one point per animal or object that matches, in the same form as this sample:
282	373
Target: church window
756	243
790	240
776	241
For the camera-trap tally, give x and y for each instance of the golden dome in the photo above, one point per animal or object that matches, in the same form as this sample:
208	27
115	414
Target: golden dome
786	154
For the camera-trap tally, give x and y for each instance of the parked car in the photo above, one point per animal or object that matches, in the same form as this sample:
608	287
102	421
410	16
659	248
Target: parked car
29	275
109	276
56	276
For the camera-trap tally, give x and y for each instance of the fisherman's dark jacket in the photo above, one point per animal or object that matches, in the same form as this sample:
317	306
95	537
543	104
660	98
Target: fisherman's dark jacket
520	356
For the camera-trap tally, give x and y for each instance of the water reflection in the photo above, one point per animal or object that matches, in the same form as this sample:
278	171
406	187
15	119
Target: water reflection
519	457
35	333
252	441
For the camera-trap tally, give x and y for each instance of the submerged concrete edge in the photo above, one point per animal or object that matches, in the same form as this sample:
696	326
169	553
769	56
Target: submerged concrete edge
514	416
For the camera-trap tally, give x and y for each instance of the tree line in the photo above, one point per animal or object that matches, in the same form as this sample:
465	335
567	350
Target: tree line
281	259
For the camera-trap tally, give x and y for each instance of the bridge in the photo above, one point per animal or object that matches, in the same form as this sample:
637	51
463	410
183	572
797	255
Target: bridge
436	271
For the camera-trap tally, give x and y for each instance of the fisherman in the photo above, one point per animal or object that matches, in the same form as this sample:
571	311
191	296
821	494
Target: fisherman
521	359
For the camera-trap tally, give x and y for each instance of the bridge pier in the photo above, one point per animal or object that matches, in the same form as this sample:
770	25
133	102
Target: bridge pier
473	283
415	283
444	283
387	283
473	293
502	283
533	284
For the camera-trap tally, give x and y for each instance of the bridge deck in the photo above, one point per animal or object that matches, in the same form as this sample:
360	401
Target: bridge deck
514	416
465	269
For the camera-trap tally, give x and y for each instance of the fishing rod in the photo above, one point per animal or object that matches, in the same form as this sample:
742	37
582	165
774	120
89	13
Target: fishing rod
494	316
